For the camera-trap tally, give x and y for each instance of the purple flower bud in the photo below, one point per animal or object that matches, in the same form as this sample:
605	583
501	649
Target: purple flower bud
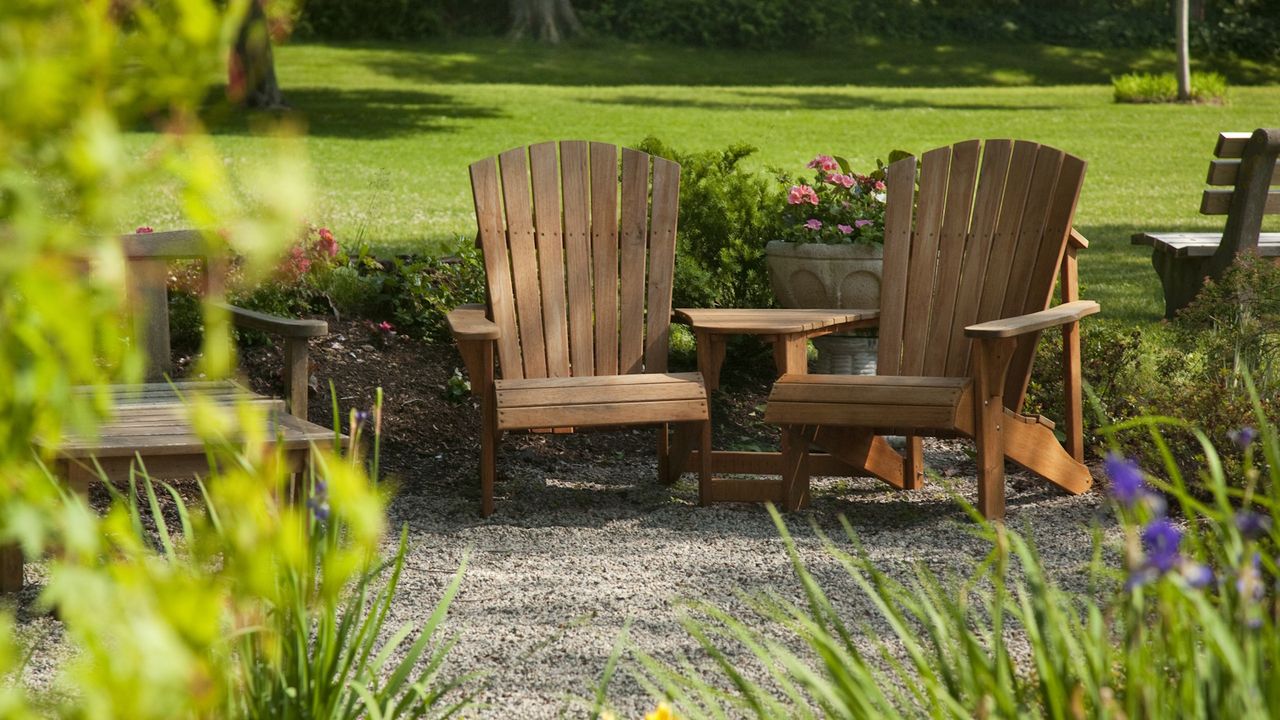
362	417
1127	482
1243	437
1252	525
1249	581
1197	575
1161	539
319	508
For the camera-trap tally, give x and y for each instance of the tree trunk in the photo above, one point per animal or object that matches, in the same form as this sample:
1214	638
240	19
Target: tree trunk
1181	15
548	20
251	72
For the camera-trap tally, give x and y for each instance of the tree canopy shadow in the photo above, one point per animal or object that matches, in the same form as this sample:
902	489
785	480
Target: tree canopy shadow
358	114
868	63
807	101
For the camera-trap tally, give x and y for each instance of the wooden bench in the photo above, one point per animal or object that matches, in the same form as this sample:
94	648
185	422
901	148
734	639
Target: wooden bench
1246	165
149	425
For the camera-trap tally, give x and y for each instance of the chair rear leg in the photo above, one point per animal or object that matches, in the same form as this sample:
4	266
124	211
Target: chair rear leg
666	473
704	462
913	464
10	568
489	438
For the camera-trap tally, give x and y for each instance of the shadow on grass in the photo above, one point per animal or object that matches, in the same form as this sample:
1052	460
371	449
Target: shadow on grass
805	101
350	113
865	62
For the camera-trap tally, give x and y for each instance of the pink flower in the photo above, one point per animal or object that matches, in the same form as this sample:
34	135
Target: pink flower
879	186
825	163
814	224
846	229
386	327
298	263
144	230
861	223
802	194
327	244
843	180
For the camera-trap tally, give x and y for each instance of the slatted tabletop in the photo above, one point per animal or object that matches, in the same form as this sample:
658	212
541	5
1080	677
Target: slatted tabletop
772	321
152	419
1202	244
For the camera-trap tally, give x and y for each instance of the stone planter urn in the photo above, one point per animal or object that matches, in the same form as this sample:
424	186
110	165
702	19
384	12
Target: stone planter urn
817	275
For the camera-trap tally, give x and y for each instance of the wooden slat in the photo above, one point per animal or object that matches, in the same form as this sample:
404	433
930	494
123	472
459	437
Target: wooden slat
514	165
637	379
633	242
986	210
935	169
599	394
639	413
1231	144
951	250
577	241
662	261
862	393
1225	172
900	181
497	270
1201	244
1218	202
1005	241
549	239
1052	247
149	307
604	254
817	413
1030	236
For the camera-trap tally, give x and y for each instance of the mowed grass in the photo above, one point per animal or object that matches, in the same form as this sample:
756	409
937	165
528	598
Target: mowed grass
391	129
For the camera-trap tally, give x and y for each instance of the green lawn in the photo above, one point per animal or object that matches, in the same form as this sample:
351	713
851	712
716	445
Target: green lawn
391	129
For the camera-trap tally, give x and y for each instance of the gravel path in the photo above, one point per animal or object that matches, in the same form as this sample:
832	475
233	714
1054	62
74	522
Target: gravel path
585	540
574	551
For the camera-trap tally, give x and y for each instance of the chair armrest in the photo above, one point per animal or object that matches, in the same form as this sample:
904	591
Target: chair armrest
1077	240
1023	324
283	327
468	322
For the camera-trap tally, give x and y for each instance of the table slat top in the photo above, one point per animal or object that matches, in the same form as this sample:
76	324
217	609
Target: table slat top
772	321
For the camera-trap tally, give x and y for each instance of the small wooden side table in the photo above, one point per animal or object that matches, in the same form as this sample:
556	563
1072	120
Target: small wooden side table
789	331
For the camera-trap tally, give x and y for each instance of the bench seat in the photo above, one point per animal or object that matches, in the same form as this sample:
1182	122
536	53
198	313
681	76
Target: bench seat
1178	244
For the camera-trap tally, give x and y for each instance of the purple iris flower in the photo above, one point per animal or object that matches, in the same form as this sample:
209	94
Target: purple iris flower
1127	483
1197	575
1161	539
1243	437
1252	525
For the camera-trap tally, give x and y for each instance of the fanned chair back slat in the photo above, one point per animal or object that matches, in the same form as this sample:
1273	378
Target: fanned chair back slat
951	247
545	170
579	275
514	165
634	239
662	261
577	248
604	255
982	230
497	269
969	257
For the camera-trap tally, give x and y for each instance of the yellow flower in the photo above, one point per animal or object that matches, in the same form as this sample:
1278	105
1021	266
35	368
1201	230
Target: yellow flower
664	712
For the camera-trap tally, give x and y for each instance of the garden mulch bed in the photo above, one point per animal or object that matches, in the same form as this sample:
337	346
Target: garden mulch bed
586	542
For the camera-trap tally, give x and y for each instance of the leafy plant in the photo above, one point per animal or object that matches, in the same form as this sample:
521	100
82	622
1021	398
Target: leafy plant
726	216
1184	626
1163	88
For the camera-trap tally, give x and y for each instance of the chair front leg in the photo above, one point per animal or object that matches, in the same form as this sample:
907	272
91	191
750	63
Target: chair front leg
993	357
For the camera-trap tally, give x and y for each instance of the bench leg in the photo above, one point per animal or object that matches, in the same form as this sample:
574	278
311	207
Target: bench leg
1181	279
10	568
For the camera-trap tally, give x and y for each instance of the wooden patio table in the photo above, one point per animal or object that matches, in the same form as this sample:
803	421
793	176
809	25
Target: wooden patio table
789	331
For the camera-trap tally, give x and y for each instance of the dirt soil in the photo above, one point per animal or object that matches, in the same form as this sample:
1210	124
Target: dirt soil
431	427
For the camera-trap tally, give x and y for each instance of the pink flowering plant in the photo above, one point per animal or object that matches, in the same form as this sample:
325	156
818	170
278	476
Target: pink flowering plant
835	205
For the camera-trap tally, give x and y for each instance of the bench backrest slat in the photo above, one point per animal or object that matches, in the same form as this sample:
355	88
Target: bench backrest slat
1218	202
1226	172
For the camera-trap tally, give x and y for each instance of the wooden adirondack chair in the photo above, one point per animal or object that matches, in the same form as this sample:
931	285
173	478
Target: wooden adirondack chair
579	309
967	283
